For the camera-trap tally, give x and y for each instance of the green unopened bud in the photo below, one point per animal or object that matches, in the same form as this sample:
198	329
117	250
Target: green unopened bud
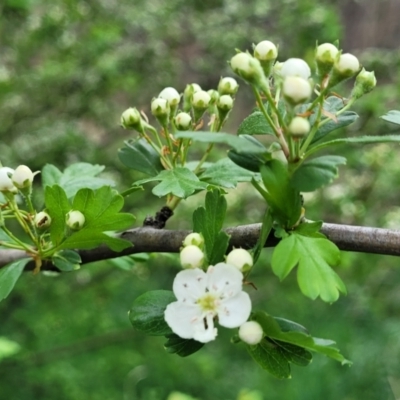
195	239
201	100
214	96
188	93
183	121
22	177
160	109
228	85
225	103
295	67
248	68
266	52
365	82
325	56
131	119
299	127
6	184
345	66
75	219
241	259
296	90
251	332
191	257
171	95
42	220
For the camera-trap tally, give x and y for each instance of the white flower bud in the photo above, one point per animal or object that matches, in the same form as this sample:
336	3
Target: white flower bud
251	332
296	90
326	53
42	220
191	257
201	100
183	121
240	258
347	65
6	184
365	82
265	51
22	177
159	107
299	127
171	95
75	219
296	67
225	102
193	238
247	67
131	119
228	85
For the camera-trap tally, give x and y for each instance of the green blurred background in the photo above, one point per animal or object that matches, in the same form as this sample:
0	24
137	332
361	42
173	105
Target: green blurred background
68	69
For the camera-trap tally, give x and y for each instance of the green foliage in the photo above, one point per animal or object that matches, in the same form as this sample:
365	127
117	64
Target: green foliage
392	116
9	275
66	260
181	347
255	124
208	221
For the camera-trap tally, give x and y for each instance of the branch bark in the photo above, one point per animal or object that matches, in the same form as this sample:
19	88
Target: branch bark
147	239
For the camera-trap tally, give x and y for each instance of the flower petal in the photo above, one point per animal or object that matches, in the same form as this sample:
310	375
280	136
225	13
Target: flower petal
224	280
234	311
189	285
205	334
183	319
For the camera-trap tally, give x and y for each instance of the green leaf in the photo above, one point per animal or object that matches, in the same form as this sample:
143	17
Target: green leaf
266	228
295	334
309	228
284	200
392	116
315	173
255	124
355	140
127	263
75	177
181	182
57	206
208	221
239	143
181	347
101	210
9	275
147	312
67	260
226	173
314	256
8	347
140	156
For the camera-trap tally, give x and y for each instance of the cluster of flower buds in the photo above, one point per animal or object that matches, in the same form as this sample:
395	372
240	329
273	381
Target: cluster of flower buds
20	179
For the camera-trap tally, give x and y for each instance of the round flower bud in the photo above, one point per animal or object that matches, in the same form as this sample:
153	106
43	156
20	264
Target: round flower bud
195	239
240	258
6	184
159	107
326	53
365	82
191	257
75	219
42	220
247	67
296	90
201	100
347	65
171	95
296	67
265	51
299	127
131	119
214	96
22	177
228	85
183	121
251	332
225	102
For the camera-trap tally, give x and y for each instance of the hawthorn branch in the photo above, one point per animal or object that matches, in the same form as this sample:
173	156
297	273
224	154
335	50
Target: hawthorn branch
148	240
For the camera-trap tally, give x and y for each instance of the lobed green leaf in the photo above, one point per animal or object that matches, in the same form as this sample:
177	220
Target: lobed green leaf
9	275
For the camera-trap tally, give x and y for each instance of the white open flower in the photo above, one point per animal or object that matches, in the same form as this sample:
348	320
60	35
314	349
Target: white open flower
296	67
203	296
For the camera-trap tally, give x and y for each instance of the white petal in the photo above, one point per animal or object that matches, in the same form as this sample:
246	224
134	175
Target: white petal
183	318
235	311
189	285
224	280
203	334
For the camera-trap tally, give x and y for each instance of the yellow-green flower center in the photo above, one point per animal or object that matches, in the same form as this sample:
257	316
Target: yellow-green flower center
207	302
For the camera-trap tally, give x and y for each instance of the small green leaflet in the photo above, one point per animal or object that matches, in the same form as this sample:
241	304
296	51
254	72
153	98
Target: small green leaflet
208	221
239	143
226	173
315	173
140	156
147	312
255	124
66	260
392	116
288	342
75	177
180	182
314	255
9	275
181	347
